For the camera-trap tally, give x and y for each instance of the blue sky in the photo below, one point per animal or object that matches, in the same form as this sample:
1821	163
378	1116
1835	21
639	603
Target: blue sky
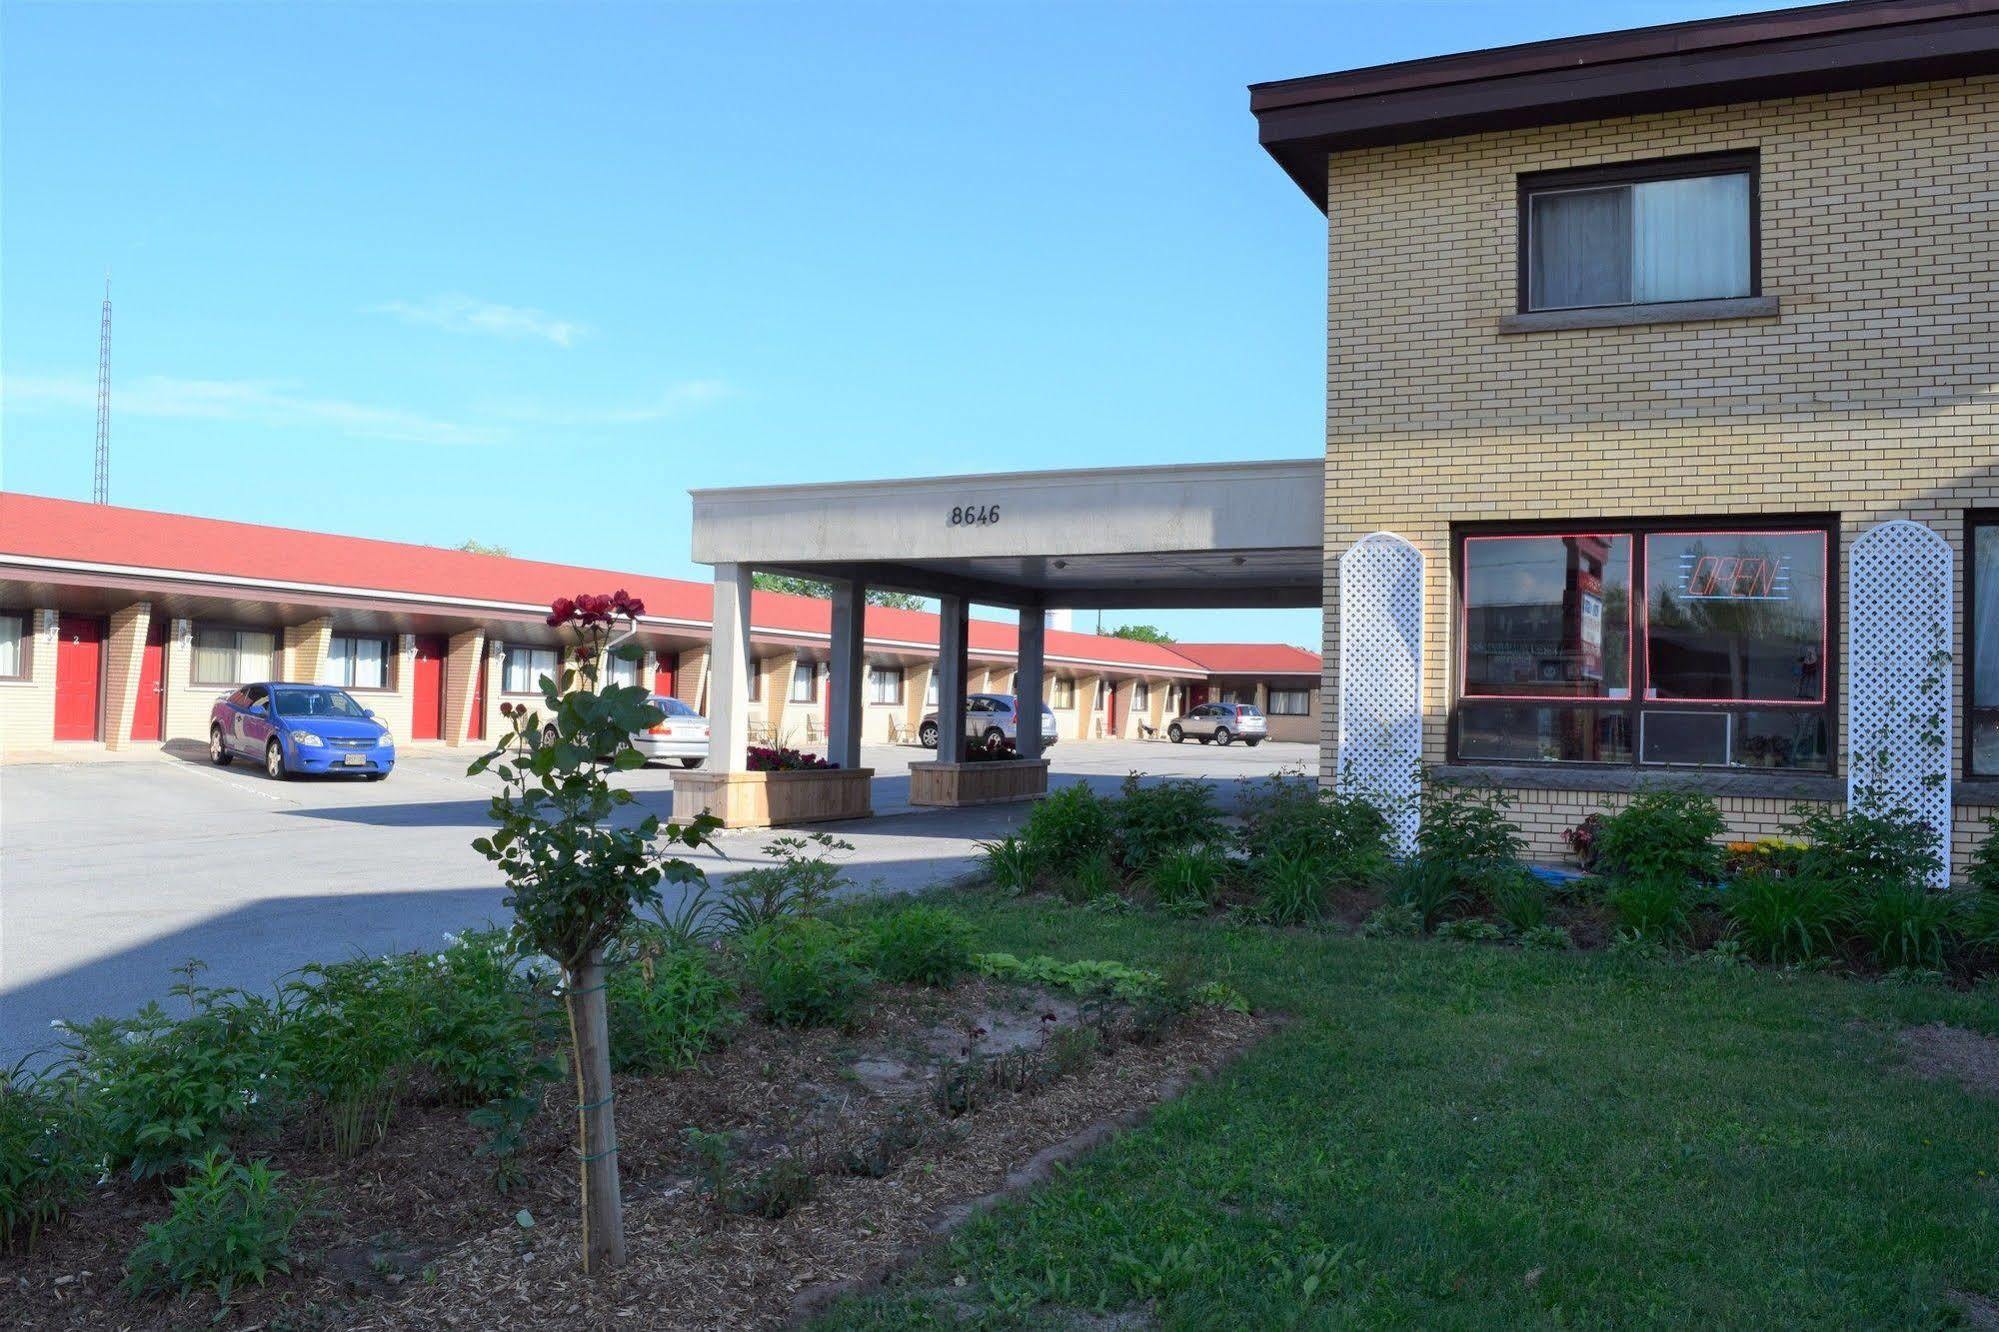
528	273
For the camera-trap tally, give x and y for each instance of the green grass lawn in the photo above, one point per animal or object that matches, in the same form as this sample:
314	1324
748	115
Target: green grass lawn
1471	1136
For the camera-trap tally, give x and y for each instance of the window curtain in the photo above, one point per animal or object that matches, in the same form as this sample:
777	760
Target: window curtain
1690	239
1581	249
215	656
254	650
12	627
369	665
1985	619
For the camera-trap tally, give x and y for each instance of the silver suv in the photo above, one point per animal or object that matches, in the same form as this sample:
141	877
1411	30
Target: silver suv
991	720
1221	723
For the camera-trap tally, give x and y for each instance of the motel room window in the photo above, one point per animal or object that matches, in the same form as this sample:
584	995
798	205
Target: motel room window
756	690
1065	692
621	671
930	693
1639	233
805	682
524	666
1982	628
13	645
232	656
359	661
1141	696
1689	644
1290	703
885	685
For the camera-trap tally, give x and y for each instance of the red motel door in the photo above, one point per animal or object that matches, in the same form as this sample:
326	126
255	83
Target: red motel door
663	672
149	703
427	688
79	676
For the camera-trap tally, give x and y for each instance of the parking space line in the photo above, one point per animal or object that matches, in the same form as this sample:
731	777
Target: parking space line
212	775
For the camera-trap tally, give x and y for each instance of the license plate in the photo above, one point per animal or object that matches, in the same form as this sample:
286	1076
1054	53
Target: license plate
355	760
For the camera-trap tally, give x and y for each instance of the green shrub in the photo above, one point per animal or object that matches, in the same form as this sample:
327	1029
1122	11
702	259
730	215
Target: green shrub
1347	835
1904	925
920	945
668	1009
1150	823
1554	938
1396	920
1518	898
1470	930
1981	874
1087	977
804	972
1009	864
801	883
229	1223
1091	879
1651	906
1187	881
1291	888
1661	836
1465	831
350	1036
1429	887
167	1092
478	1020
1067	828
1867	845
48	1154
1786	918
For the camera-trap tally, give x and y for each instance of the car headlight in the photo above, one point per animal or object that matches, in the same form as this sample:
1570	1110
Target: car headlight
306	740
388	740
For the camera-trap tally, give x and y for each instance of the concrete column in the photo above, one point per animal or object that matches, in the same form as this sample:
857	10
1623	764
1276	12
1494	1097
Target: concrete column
844	675
1027	681
951	641
729	671
123	655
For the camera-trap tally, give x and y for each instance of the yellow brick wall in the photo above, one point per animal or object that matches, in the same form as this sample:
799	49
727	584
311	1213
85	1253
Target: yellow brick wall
28	706
1871	394
124	651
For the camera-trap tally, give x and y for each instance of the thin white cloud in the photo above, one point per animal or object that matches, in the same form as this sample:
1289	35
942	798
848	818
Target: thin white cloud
671	401
457	313
253	401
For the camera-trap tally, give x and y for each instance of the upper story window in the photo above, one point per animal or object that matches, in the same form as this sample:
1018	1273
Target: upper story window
1640	233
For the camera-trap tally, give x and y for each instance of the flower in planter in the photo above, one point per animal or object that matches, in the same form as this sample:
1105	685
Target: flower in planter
769	758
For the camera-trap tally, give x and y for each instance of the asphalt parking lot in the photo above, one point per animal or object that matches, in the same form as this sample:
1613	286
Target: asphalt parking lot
114	872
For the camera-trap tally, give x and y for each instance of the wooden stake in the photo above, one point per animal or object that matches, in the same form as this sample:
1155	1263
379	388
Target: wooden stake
596	1126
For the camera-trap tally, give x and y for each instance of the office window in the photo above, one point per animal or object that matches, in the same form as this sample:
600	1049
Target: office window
1290	703
1064	692
805	682
14	638
1660	645
523	666
885	684
1639	233
232	656
1982	629
358	661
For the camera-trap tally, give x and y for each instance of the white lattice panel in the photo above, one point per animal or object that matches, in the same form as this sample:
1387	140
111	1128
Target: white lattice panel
1381	675
1898	682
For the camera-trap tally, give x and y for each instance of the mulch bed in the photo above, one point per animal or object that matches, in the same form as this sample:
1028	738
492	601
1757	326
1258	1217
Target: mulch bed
411	1233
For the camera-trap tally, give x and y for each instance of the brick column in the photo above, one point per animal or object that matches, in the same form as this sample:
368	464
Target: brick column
307	647
1126	724
1086	706
464	657
916	695
777	672
123	654
690	678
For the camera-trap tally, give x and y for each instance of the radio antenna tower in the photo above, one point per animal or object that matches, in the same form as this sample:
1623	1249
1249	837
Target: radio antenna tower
100	484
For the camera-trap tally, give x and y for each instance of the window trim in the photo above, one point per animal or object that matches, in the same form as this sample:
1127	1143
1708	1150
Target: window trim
1973	520
1825	525
26	654
194	680
391	657
1687	166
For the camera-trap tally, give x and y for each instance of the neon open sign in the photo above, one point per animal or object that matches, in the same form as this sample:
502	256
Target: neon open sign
1735	577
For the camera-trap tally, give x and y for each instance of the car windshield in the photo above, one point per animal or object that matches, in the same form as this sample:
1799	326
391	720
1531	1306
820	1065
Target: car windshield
316	703
673	707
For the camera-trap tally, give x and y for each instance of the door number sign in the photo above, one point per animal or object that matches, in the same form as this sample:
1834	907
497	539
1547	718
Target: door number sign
974	515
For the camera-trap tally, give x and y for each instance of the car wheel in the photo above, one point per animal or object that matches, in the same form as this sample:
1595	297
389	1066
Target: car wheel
374	776
692	762
274	762
994	738
926	735
218	753
1253	743
1175	734
1222	735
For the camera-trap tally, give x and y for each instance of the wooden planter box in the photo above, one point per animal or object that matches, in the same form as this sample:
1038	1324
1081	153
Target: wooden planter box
770	799
941	783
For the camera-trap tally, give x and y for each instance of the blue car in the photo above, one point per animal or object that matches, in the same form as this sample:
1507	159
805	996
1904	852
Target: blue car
297	728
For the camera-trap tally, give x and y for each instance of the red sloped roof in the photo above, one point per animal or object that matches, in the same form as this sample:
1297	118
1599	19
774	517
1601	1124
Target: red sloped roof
1250	658
37	527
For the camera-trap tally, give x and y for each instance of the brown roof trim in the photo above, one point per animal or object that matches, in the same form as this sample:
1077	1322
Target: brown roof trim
1746	57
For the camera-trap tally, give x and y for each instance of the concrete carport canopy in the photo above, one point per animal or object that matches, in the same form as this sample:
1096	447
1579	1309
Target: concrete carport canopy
1220	534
